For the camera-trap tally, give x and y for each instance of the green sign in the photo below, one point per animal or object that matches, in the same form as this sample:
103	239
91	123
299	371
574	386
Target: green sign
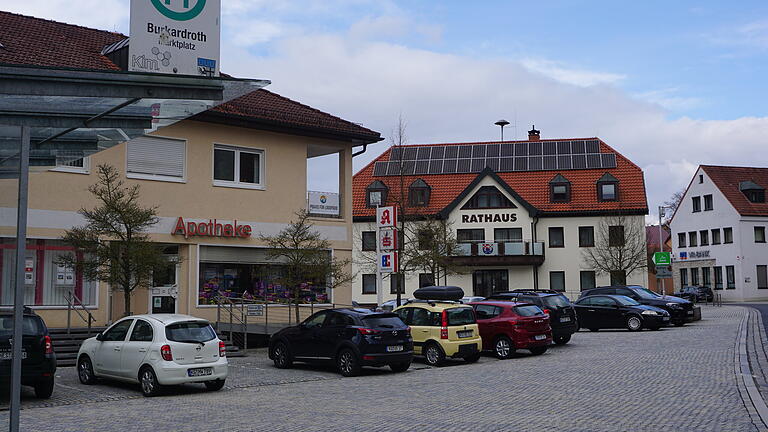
662	258
179	16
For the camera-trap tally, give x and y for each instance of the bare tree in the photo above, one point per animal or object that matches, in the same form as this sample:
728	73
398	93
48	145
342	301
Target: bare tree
672	203
620	248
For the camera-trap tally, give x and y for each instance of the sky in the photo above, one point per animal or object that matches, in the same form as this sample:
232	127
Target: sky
670	85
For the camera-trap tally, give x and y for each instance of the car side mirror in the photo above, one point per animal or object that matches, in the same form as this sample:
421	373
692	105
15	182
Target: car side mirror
100	337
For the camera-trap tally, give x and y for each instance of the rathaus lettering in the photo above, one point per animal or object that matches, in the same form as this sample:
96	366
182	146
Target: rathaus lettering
489	218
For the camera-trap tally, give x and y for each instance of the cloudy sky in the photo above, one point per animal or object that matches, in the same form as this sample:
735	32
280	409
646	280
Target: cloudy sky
669	84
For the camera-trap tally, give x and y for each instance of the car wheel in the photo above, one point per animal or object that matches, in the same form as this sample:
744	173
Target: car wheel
472	359
85	371
281	356
348	363
562	340
400	367
215	385
538	350
634	323
434	355
594	329
44	388
149	385
503	348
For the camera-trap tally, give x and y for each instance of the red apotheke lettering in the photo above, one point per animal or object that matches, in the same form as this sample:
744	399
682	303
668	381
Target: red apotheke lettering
212	228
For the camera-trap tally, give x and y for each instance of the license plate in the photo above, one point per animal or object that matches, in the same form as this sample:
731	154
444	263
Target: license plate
540	337
7	355
464	334
394	348
200	372
565	319
690	312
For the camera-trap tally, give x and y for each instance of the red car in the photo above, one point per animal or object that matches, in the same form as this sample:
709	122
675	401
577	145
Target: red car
507	326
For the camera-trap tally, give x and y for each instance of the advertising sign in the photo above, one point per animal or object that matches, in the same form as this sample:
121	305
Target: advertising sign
324	203
386	217
29	271
387	239
175	37
388	262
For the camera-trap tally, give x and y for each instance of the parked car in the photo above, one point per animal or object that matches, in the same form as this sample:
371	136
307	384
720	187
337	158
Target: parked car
562	315
508	326
618	311
694	293
442	326
38	364
155	350
680	310
349	338
390	305
470	299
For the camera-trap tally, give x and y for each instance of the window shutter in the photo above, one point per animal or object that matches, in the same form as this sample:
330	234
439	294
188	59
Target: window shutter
156	156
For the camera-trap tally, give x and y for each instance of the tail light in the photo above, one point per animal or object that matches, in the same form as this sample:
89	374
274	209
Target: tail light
367	331
444	325
48	344
165	352
513	323
546	311
222	349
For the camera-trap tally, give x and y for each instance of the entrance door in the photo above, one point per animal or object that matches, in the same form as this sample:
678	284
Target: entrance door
163	304
163	294
487	282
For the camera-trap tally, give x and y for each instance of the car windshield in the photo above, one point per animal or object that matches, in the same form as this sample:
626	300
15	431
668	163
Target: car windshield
556	301
190	331
626	301
528	310
461	316
383	321
646	293
30	326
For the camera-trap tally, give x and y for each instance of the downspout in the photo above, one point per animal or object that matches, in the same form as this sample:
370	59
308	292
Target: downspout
358	153
533	241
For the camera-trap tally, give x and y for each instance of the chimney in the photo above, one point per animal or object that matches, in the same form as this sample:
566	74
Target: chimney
533	134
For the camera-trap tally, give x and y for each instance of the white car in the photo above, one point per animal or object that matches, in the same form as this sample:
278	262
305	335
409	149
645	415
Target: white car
155	350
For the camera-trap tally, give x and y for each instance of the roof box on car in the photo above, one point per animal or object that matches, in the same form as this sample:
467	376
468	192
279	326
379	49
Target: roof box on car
453	293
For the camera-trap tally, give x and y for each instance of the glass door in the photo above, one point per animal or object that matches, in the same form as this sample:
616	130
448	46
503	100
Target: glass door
487	282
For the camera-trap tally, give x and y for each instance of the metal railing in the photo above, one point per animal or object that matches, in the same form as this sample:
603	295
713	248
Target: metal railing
75	304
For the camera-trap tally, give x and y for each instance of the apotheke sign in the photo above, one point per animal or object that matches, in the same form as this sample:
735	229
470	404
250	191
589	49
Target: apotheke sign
212	228
175	37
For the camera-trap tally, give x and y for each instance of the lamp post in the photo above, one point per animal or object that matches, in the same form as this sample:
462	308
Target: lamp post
501	123
661	245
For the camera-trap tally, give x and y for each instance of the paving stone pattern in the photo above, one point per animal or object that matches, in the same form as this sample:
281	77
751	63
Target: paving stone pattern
676	379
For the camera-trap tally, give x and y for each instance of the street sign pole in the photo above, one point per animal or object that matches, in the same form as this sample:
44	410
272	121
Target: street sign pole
379	274
661	249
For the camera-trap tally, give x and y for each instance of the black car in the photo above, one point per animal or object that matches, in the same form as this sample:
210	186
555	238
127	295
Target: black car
680	310
562	315
38	364
694	293
618	311
349	338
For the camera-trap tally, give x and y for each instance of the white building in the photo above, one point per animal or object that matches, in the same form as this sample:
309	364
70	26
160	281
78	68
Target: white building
718	233
523	212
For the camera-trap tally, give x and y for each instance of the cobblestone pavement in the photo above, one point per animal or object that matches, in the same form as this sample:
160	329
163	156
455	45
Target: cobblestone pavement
676	379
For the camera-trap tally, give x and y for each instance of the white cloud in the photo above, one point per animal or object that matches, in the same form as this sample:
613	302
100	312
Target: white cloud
668	99
562	73
109	15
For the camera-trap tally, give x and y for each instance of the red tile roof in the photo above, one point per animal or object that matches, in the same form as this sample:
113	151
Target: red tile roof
26	40
727	179
532	186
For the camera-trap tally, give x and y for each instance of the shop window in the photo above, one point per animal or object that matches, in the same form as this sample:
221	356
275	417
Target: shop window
418	193
704	237
695	277
693	239
730	277
718	271
683	277
716	236
369	241
705	280
396	283
557	281
708	203
476	235
426	279
238	167
586	236
608	188
762	277
759	234
696	202
369	284
618	277
681	240
508	235
556	237
559	189
587	280
376	194
616	236
488	197
154	158
727	235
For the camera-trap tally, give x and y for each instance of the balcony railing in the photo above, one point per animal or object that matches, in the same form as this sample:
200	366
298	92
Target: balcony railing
500	249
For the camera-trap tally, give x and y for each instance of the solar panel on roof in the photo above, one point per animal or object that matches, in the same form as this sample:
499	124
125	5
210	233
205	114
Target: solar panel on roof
507	164
436	167
422	167
478	151
593	161
451	152
535	163
393	168
507	149
608	159
563	147
438	152
463	165
465	151
477	165
550	162
408	167
521	149
380	169
492	163
395	153
593	146
521	164
409	153
578	147
579	161
564	162
550	148
493	150
424	153
449	166
534	148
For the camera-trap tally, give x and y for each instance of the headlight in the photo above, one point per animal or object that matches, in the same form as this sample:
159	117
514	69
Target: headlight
649	312
674	305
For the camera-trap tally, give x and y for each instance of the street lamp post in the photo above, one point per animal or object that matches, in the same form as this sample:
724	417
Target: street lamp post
661	246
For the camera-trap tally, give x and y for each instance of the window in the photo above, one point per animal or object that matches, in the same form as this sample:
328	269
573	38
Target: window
118	332
608	188
420	317
156	158
80	166
557	280
559	189
418	193
616	236
424	238
759	234
238	167
369	241
730	277
716	236
369	284
718	277
708	202
701	178
705	281
681	240
762	277
683	277
727	235
376	194
696	204
426	279
692	241
513	235
556	237
586	236
695	277
753	191
704	237
396	282
316	320
487	311
587	280
488	197
142	332
476	235
619	277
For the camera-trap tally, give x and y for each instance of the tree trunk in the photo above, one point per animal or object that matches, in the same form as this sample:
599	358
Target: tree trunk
127	296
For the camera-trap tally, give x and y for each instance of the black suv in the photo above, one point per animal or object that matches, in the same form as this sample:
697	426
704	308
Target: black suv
562	315
350	338
680	310
38	365
694	293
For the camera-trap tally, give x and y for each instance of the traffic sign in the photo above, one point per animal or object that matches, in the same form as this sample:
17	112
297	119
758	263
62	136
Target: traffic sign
663	272
662	258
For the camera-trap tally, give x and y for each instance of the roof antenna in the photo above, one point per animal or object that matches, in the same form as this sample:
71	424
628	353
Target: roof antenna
501	123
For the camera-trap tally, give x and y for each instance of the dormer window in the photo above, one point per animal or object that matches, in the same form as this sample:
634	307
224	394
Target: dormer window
559	189
608	188
488	197
418	193
376	194
753	191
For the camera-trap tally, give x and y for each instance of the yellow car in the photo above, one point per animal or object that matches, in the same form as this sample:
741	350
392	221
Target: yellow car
442	329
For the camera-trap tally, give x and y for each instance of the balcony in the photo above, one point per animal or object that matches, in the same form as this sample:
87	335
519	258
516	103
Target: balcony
499	254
